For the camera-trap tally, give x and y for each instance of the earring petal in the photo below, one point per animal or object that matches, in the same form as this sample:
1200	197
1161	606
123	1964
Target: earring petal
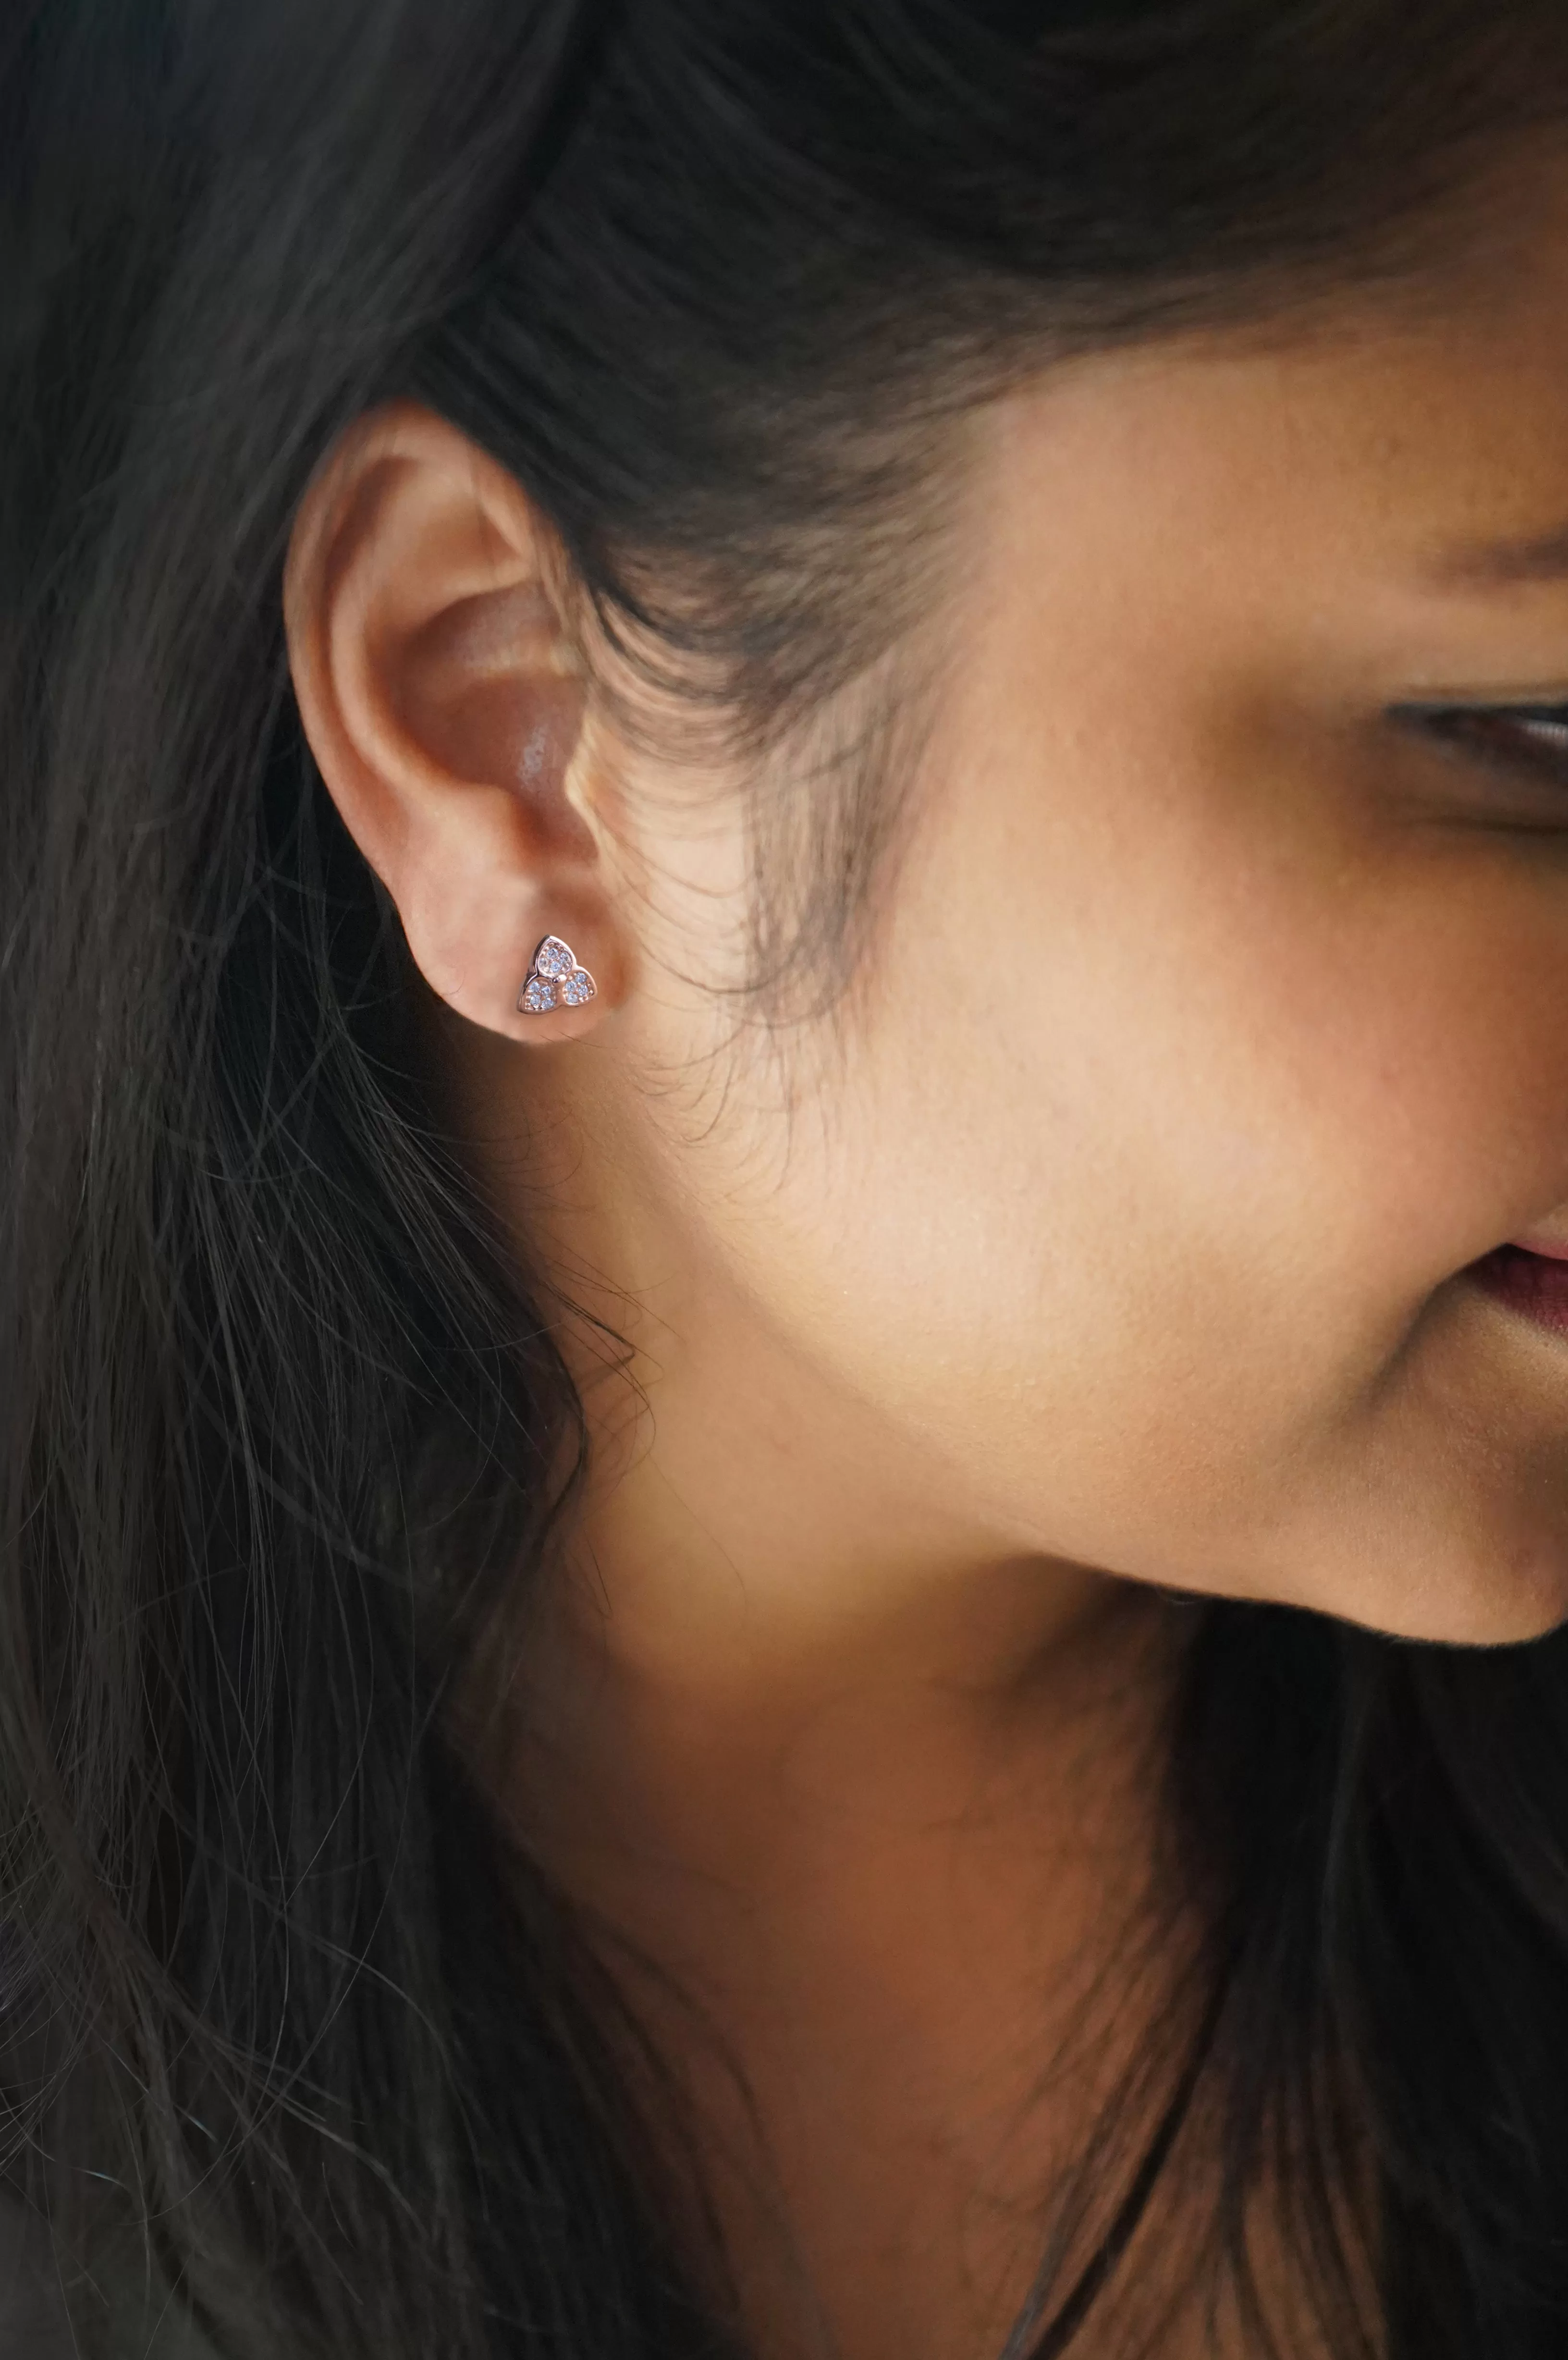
554	959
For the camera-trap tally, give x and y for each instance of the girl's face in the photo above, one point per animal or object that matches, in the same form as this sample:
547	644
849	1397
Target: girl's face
1213	1027
1215	1024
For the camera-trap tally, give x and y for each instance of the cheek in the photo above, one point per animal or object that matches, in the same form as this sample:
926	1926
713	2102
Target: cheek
1405	1033
1129	1216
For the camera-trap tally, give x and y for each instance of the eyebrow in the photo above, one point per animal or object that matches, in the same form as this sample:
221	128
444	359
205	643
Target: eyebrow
1496	564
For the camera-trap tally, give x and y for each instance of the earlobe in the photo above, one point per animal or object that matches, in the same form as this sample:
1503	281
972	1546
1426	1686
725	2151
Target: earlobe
445	710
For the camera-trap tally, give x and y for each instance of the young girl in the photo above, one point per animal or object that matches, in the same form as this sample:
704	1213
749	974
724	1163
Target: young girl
784	1234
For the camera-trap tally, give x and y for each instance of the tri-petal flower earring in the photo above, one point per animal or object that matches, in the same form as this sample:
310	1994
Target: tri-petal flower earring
554	979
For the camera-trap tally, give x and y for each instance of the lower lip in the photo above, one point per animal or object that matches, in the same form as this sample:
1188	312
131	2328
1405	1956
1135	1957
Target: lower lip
1534	1285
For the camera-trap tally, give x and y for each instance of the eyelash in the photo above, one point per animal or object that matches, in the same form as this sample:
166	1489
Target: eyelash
1531	738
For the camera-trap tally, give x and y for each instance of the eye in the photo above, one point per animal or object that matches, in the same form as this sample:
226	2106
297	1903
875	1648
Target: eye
1527	741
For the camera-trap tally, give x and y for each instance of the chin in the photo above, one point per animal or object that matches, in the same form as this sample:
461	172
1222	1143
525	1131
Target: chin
1509	1603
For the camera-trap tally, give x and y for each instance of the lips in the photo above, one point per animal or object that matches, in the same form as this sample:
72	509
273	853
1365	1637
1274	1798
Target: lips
1535	1285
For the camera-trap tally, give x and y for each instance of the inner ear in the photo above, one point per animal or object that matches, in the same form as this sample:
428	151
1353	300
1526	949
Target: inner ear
484	689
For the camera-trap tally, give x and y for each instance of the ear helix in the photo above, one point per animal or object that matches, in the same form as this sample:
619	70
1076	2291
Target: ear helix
555	979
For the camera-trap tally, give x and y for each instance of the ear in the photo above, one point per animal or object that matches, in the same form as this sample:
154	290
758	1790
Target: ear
442	705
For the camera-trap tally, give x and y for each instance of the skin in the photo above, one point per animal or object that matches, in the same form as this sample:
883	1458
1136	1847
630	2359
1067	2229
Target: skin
1109	1237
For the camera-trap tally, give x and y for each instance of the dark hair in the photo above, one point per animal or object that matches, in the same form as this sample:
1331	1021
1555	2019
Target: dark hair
282	1434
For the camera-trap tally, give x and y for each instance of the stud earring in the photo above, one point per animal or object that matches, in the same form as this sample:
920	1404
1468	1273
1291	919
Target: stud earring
554	979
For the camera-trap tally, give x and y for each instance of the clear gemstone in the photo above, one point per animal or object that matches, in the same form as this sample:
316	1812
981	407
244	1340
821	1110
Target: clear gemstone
554	957
537	995
578	986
